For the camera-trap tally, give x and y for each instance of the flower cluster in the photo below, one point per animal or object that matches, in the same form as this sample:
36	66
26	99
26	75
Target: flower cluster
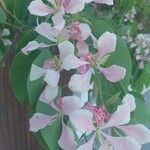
141	46
75	55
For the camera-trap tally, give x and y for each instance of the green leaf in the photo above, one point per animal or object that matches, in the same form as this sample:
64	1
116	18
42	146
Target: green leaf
142	111
143	79
20	9
52	133
99	26
113	99
19	74
2	15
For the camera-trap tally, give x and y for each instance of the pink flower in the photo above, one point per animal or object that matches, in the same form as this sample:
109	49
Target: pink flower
79	31
38	8
55	33
81	82
51	69
65	106
98	120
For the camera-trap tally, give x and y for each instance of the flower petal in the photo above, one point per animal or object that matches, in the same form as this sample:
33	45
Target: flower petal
82	48
65	48
75	6
106	44
47	31
36	72
58	21
82	120
85	30
5	32
128	98
114	73
67	140
6	42
70	104
139	132
123	143
31	46
40	121
49	94
72	62
120	117
80	82
38	8
52	77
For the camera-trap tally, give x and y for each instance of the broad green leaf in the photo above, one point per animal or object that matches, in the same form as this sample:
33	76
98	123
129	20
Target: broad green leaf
51	134
142	111
19	74
143	79
20	9
113	99
2	15
99	26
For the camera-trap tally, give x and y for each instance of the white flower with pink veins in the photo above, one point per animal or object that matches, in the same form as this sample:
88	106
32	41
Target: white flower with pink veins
97	120
38	8
64	106
86	62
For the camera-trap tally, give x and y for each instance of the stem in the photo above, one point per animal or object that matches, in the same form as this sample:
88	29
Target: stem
8	12
12	25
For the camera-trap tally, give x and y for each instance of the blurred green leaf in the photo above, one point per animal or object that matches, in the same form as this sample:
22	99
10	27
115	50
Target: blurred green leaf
19	74
3	16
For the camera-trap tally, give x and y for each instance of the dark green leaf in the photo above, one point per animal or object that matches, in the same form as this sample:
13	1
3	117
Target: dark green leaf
19	74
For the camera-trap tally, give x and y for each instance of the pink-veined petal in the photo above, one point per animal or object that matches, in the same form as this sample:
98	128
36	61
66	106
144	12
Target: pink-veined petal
88	145
31	46
106	44
67	140
40	121
49	94
36	72
82	48
85	30
120	117
72	62
38	8
70	104
65	48
114	73
80	82
128	98
82	120
123	143
75	6
47	31
95	41
139	132
52	77
58	21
